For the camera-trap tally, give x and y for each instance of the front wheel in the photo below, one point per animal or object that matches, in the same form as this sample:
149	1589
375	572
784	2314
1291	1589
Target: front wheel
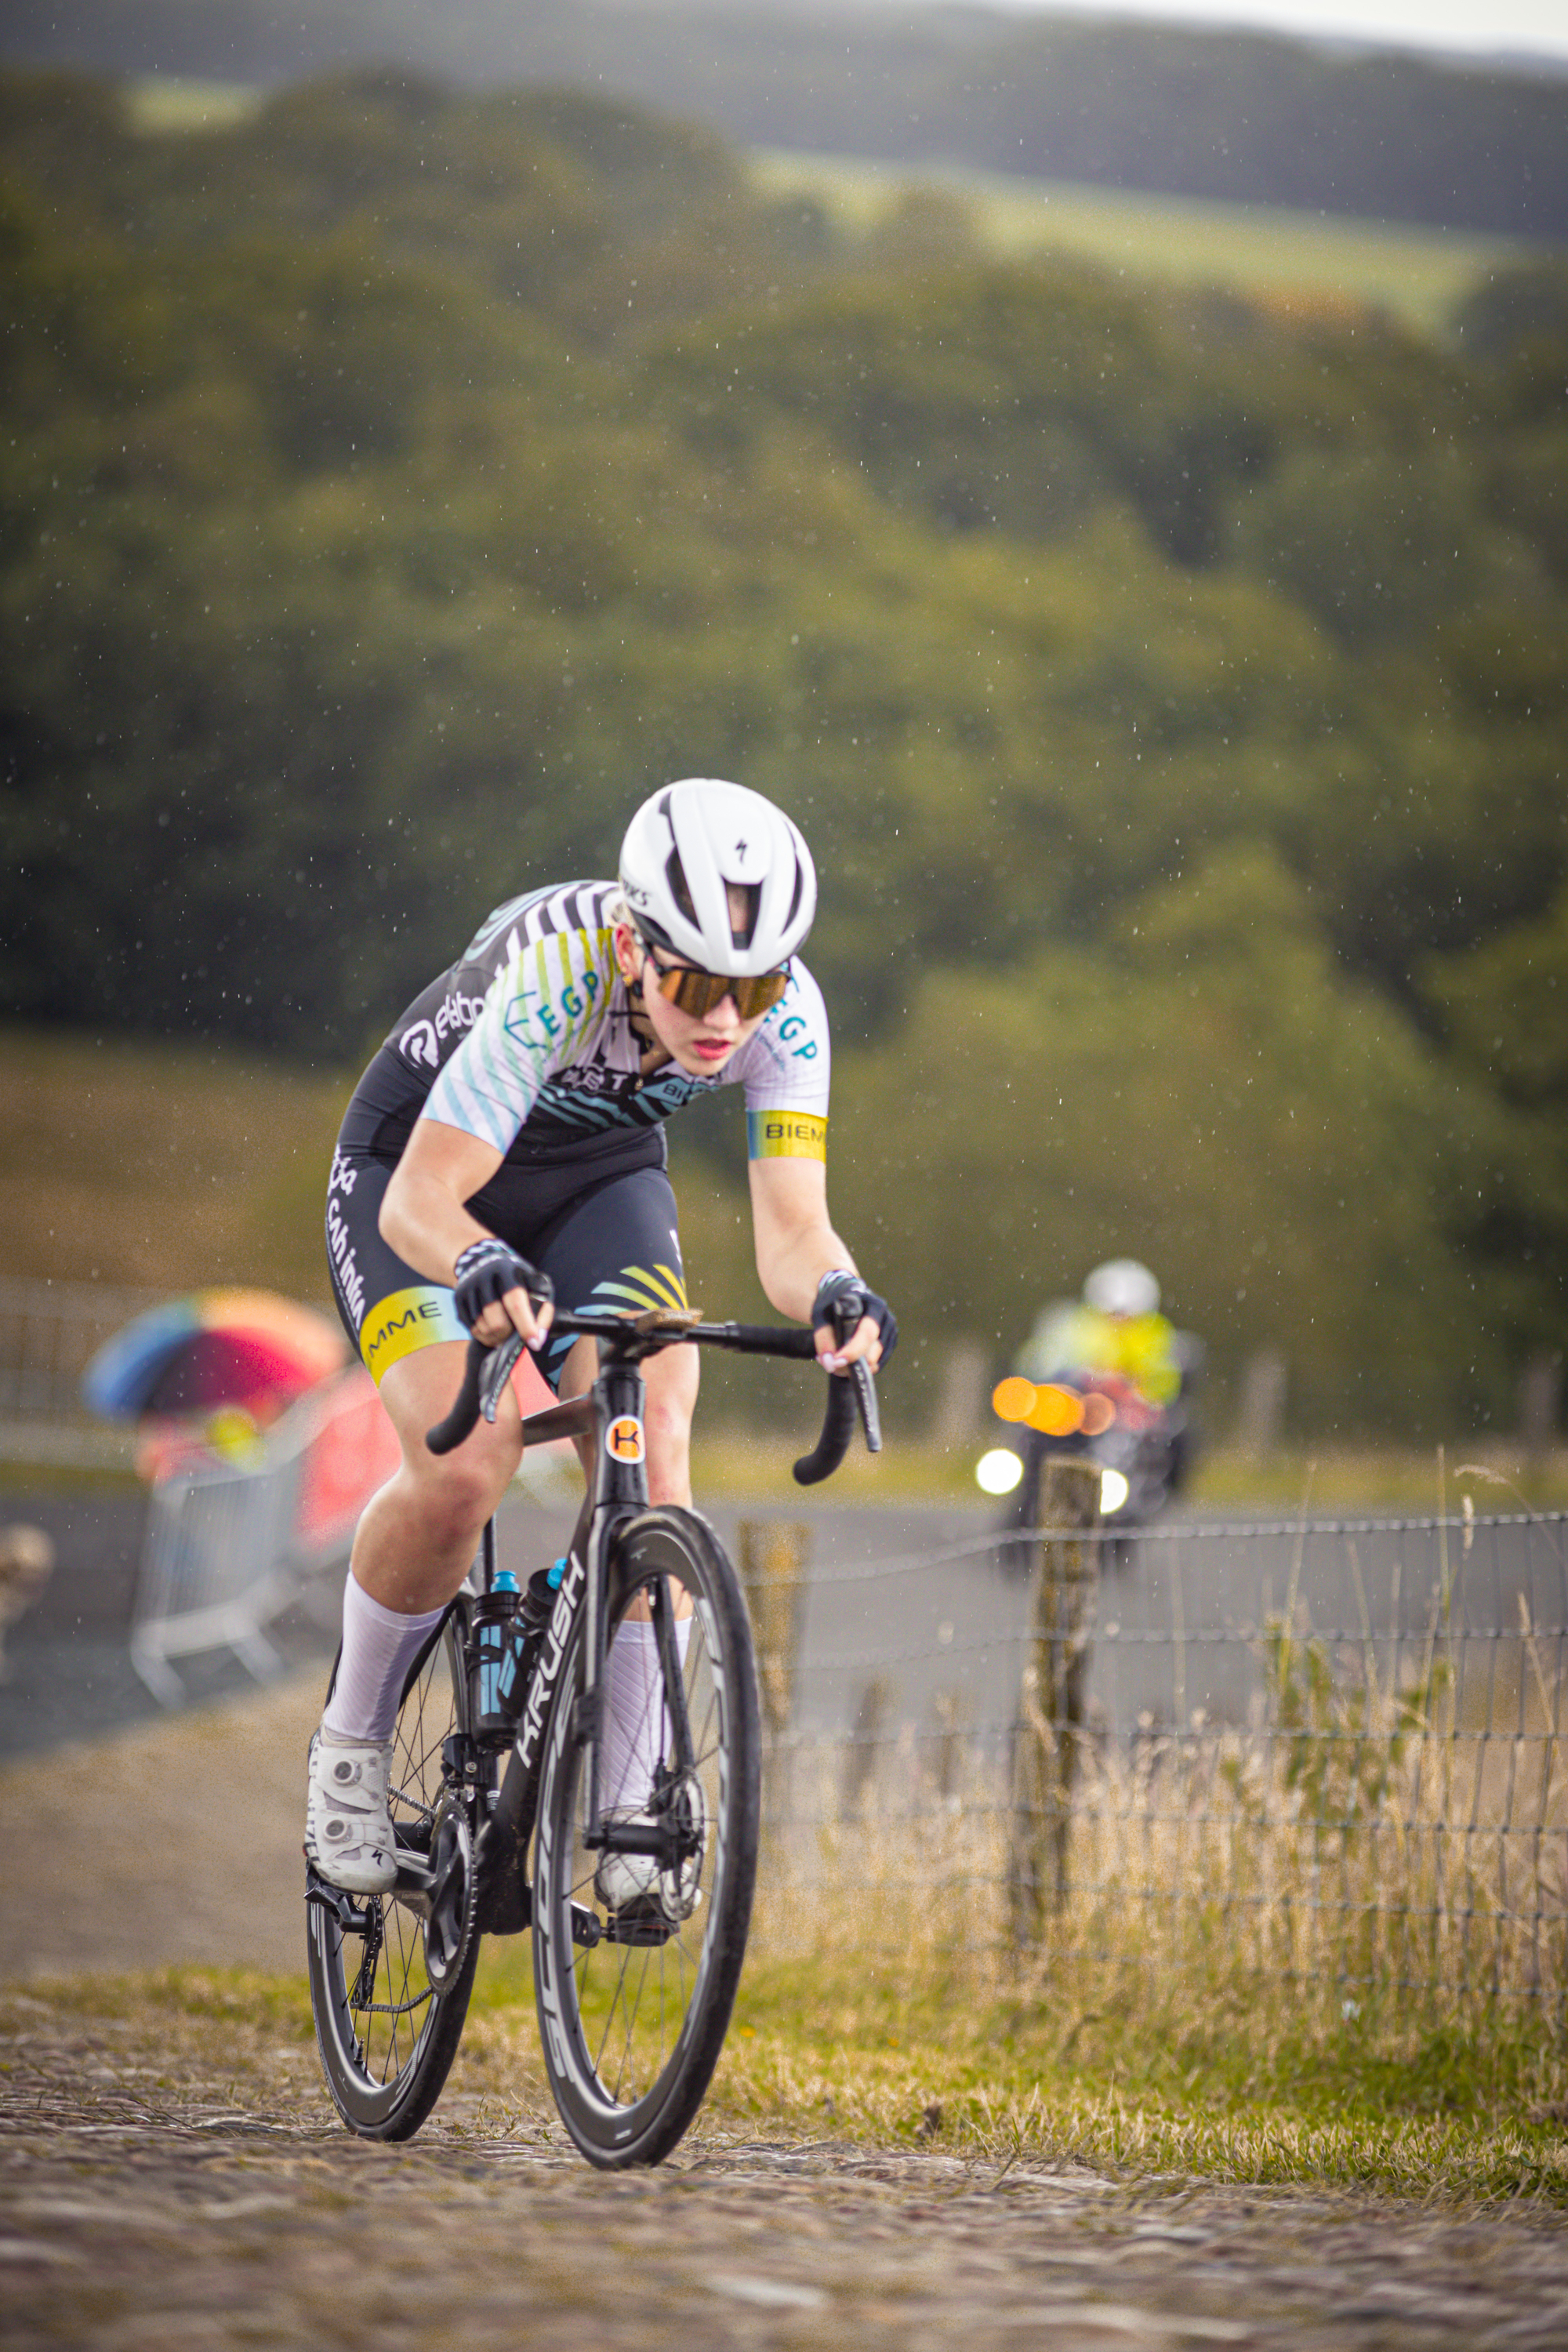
636	1958
391	1975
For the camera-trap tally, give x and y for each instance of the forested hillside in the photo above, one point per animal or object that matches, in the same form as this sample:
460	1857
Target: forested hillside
1198	111
396	485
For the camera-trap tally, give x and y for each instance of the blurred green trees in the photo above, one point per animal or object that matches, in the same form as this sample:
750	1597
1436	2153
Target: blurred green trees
395	486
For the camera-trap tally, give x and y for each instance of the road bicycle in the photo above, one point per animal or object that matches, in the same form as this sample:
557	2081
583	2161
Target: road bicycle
499	1791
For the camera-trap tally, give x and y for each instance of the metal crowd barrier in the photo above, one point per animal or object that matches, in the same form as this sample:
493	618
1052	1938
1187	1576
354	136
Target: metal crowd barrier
218	1564
230	1547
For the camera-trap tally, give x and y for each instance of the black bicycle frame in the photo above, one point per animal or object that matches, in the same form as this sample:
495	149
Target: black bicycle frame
611	1413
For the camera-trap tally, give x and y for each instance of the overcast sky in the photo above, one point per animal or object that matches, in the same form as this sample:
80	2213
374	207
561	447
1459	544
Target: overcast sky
1537	27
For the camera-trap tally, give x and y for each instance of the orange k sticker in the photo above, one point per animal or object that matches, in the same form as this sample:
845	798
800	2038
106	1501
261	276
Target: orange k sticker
624	1438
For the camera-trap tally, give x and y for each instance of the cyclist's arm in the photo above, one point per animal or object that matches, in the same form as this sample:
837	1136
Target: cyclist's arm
424	1219
536	1014
796	1245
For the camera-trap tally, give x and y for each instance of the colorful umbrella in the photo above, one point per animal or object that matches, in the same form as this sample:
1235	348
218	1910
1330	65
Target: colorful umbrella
217	1348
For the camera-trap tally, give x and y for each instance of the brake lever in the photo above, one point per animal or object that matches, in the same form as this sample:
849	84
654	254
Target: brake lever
865	1387
498	1370
862	1385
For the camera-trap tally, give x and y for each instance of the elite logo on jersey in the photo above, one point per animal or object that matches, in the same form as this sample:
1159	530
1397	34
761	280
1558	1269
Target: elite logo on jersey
456	1013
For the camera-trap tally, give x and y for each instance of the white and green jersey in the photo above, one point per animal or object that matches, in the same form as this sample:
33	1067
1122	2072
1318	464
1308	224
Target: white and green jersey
527	1042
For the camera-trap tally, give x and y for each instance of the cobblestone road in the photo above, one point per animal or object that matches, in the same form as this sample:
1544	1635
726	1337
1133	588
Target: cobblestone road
169	2183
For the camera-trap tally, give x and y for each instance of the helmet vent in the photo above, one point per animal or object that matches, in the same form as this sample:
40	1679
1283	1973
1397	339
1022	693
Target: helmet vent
675	873
745	904
794	897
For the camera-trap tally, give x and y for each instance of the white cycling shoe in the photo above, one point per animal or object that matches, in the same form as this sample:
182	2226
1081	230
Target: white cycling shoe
348	1829
634	1882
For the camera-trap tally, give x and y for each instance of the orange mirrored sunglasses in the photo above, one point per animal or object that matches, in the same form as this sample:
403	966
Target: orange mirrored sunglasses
697	993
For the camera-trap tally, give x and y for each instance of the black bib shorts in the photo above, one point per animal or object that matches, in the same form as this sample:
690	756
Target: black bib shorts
603	1226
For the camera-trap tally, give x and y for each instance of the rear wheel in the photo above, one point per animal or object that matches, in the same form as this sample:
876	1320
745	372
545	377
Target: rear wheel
635	1995
391	1975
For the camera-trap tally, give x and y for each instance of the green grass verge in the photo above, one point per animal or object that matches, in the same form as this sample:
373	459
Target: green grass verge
1328	1481
1251	2088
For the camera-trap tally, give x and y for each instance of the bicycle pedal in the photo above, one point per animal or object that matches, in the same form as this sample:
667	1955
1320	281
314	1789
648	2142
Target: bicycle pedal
585	1927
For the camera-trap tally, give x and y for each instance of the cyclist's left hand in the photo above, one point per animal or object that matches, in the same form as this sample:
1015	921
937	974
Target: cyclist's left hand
875	1336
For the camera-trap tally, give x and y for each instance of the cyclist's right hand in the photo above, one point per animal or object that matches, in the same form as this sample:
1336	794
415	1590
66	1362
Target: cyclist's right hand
498	1292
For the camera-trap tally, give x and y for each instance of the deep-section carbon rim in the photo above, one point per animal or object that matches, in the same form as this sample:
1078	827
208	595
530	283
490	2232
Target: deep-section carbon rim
386	2035
634	2002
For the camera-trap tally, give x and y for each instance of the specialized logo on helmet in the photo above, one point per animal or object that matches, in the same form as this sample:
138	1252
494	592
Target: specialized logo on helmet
747	860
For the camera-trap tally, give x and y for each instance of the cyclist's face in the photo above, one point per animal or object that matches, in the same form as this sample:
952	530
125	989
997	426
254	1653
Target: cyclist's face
699	1046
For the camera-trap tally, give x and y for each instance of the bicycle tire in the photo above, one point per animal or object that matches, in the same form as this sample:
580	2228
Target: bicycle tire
385	2076
632	2031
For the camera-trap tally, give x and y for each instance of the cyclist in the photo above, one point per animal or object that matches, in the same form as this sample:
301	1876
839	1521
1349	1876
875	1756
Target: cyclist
1118	1327
513	1121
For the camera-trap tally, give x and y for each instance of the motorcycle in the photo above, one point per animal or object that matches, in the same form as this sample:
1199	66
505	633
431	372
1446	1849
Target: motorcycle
1143	1451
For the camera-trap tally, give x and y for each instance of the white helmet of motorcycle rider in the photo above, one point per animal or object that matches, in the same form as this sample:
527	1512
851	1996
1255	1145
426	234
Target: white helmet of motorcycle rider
1122	1287
715	873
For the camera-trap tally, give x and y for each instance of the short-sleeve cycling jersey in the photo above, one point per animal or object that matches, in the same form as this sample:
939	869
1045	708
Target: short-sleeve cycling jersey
527	1042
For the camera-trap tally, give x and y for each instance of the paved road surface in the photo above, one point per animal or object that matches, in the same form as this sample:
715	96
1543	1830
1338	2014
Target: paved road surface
167	2181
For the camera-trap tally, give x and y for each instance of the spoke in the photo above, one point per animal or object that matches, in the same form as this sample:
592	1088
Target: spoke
633	2000
618	1980
631	2016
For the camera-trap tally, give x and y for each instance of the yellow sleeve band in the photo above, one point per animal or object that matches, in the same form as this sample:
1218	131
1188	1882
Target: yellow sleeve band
408	1319
785	1135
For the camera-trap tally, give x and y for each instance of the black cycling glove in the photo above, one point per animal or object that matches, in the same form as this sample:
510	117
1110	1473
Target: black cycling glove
843	1290
486	1271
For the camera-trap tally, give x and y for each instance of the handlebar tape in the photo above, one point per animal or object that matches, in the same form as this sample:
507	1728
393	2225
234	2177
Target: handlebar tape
765	1339
848	1396
450	1433
486	1371
838	1429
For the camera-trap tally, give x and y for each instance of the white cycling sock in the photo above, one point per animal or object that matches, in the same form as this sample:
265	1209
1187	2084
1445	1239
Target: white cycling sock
379	1646
637	1724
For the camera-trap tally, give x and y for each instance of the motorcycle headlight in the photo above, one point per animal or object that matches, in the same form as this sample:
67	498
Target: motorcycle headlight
998	1472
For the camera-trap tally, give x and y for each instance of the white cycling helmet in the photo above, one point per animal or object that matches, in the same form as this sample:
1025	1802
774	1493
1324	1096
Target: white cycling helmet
682	850
1122	1286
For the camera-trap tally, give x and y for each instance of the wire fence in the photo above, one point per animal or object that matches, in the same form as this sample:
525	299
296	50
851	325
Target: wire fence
1330	1754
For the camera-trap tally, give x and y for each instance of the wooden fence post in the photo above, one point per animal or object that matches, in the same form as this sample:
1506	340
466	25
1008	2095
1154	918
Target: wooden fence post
773	1554
1051	1710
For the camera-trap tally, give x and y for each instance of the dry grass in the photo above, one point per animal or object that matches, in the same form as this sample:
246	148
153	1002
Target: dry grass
185	1164
1153	2027
1333	1949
